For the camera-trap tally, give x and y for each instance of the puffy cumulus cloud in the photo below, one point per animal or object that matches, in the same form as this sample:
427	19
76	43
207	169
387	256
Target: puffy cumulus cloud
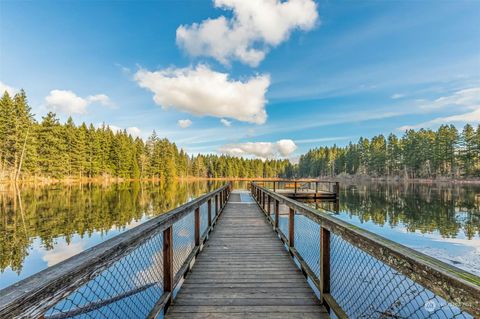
254	27
261	150
285	147
466	101
67	102
184	123
6	88
202	91
226	122
134	131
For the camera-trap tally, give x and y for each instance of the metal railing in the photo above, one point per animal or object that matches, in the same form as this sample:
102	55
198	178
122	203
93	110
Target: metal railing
358	274
132	275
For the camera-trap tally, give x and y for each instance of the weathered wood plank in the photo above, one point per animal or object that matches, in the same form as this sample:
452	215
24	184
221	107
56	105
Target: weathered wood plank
244	271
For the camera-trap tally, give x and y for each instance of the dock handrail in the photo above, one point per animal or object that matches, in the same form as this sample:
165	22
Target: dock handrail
391	262
315	185
78	284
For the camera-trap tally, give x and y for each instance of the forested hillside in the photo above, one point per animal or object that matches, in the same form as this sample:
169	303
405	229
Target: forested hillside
55	150
425	153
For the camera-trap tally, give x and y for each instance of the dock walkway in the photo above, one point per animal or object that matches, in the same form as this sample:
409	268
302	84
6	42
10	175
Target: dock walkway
244	271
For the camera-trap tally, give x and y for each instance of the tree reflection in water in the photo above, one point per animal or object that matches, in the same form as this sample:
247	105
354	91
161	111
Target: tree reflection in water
49	213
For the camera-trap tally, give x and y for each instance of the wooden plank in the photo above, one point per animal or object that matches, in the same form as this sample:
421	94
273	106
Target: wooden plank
249	309
243	271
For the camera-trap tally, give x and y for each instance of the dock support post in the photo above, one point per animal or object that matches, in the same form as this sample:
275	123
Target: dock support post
295	188
277	207
168	263
324	264
291	228
337	190
316	189
197	226
209	212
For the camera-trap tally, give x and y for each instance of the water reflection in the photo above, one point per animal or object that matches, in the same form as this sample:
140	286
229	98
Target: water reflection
43	225
440	220
450	210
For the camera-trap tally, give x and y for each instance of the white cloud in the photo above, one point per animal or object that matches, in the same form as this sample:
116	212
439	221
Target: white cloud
61	252
467	98
134	131
184	123
201	91
469	117
3	87
226	122
254	27
286	147
261	150
99	98
397	96
466	101
67	102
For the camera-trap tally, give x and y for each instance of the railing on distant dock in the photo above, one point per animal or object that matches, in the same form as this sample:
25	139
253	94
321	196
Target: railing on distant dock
361	275
302	188
133	275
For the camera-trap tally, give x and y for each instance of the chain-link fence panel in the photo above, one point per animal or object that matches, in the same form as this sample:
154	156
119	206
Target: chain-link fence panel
367	288
183	240
203	219
129	288
307	241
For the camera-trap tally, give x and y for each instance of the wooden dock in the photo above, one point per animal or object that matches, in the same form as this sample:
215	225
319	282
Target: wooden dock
244	271
303	188
224	255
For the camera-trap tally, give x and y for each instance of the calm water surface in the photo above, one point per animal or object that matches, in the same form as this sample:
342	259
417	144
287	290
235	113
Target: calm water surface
41	226
440	220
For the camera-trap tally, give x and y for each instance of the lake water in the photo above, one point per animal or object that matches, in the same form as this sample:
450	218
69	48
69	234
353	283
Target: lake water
439	220
41	226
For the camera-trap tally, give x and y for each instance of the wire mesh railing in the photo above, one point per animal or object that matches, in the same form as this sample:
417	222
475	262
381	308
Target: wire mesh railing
132	275
361	275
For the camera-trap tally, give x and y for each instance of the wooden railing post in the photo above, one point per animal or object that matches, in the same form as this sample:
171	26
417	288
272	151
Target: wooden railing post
274	186
263	200
324	263
269	204
337	189
168	263
197	226
277	207
209	213
216	205
316	189
295	187
291	227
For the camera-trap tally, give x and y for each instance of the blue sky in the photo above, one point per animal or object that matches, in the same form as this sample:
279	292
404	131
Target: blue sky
335	71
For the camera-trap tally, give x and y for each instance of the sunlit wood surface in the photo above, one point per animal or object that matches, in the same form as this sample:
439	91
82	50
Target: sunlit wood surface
245	272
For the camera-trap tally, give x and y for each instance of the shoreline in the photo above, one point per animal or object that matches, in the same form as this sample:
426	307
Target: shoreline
342	179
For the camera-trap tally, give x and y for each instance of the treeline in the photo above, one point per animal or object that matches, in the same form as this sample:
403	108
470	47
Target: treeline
29	149
425	153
